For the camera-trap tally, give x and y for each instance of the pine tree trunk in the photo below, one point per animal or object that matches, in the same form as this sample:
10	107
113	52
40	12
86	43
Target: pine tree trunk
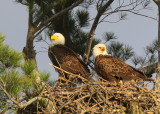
157	85
29	48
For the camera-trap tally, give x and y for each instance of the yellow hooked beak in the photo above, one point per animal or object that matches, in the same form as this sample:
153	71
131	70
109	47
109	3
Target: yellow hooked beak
102	48
53	37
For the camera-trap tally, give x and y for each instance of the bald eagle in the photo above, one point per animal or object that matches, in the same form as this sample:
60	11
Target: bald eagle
113	69
63	57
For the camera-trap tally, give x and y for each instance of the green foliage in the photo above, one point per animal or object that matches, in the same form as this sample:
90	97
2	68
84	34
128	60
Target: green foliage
70	24
2	38
83	18
152	48
28	67
71	27
13	82
16	76
136	60
151	52
115	48
120	50
45	76
128	52
8	56
152	59
108	36
150	56
10	69
79	42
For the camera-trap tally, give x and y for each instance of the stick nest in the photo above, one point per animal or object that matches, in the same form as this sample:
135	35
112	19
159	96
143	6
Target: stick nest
101	98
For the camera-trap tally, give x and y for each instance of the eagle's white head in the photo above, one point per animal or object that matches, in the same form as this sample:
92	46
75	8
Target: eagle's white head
57	38
99	49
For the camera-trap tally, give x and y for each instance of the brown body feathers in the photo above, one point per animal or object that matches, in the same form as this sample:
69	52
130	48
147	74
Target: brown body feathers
113	69
66	59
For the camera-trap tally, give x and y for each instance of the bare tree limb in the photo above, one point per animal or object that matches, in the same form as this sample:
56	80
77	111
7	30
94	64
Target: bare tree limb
142	15
129	10
93	29
101	10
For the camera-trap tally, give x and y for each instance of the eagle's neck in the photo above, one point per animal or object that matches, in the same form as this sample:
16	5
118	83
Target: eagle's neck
56	43
51	45
101	54
97	53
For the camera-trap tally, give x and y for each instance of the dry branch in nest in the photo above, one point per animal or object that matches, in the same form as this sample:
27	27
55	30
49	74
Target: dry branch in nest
100	98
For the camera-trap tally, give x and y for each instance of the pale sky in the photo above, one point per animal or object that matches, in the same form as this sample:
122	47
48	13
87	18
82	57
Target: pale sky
135	31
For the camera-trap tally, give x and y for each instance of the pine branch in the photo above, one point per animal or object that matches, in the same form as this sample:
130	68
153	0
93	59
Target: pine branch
45	24
2	86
